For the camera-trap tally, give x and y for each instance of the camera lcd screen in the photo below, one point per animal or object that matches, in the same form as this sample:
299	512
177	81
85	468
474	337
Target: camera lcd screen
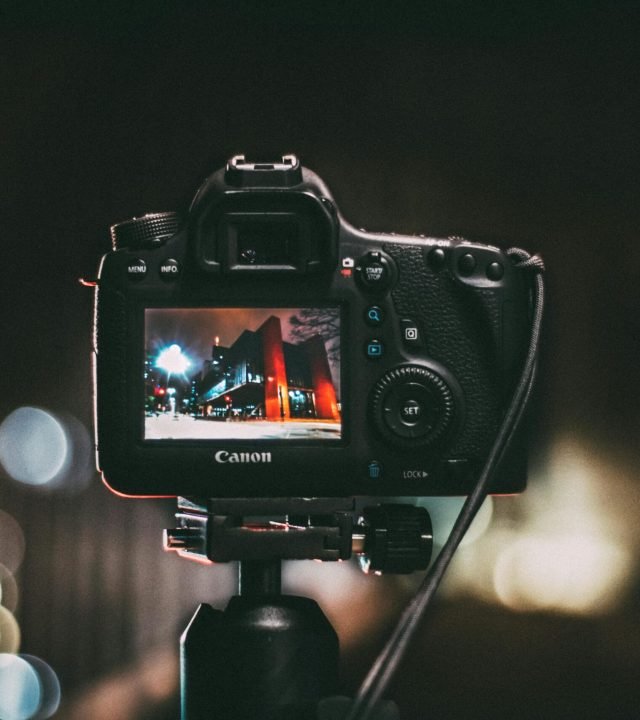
269	374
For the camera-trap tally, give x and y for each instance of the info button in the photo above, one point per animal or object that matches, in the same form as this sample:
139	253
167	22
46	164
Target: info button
169	269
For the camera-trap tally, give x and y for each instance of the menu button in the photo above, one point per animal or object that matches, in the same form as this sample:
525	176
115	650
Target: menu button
136	269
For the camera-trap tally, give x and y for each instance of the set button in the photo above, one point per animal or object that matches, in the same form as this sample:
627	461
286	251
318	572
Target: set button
411	411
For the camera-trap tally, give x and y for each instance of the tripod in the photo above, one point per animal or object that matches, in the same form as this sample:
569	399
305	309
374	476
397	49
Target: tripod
266	656
269	655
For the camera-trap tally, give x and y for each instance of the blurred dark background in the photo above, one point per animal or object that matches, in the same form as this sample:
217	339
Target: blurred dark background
510	123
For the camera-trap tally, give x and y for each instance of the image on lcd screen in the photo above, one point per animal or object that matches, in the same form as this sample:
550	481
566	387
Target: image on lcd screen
242	374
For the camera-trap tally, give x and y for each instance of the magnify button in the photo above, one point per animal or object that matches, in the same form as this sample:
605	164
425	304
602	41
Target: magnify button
374	315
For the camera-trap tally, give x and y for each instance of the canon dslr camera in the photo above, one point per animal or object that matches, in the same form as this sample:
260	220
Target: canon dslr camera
263	347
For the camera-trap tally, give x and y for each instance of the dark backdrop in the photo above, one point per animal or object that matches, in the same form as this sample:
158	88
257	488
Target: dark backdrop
510	124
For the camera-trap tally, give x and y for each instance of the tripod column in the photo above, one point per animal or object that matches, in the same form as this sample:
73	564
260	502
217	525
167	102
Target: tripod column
258	578
267	656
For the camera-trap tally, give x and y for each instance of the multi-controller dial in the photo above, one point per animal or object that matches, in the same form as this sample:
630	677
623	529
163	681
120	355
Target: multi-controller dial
412	405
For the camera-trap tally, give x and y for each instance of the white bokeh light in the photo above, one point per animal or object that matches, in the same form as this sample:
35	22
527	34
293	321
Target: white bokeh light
33	445
46	450
566	573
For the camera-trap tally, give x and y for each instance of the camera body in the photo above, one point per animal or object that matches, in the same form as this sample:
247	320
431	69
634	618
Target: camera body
266	348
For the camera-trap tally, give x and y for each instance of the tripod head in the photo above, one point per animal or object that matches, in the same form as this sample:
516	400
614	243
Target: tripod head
389	538
269	655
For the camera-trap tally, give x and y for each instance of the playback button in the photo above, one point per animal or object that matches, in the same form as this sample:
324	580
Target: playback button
374	349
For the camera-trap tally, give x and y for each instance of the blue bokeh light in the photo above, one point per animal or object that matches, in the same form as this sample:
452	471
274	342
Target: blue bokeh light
50	694
20	688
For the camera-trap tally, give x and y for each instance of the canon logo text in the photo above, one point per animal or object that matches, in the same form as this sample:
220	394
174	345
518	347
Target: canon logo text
222	456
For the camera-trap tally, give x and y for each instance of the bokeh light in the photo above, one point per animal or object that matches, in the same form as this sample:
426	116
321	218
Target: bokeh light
444	512
11	542
20	689
46	450
33	445
567	573
128	693
8	589
50	693
9	633
79	467
565	545
570	553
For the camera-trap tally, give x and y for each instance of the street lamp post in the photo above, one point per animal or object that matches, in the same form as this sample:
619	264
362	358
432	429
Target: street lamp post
174	362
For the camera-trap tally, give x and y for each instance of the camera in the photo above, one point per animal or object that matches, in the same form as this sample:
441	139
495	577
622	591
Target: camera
262	347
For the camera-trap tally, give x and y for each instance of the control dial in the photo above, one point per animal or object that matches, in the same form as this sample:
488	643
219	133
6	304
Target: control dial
147	231
412	405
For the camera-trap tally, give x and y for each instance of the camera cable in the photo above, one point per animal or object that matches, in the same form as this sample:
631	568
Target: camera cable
367	700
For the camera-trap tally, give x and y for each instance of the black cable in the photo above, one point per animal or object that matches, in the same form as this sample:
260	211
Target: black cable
386	664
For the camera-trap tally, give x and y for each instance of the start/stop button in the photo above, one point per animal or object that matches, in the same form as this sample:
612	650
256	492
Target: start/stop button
374	272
